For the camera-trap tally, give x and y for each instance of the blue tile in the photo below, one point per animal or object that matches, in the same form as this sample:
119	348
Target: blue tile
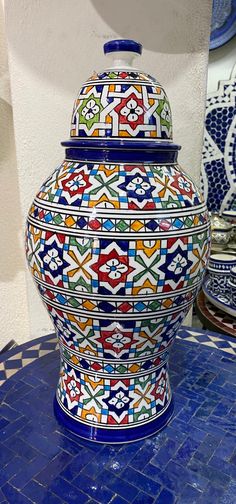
6	454
78	463
211	474
188	410
186	451
34	491
229	495
175	476
222	465
28	472
11	469
212	494
141	481
207	448
13	496
55	466
12	428
9	413
141	458
22	447
93	469
3	423
51	498
2	497
142	498
68	492
190	495
165	497
165	453
153	472
65	443
94	489
123	488
225	449
39	442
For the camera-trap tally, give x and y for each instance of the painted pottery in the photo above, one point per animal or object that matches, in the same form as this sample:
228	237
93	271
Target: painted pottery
219	269
117	242
219	148
221	230
232	287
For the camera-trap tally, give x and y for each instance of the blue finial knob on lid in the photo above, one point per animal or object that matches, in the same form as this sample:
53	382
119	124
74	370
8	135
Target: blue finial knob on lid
122	45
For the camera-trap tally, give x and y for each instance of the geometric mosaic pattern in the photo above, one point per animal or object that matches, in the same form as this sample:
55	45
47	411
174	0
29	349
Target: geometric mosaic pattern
23	355
78	187
219	152
191	460
133	401
118	252
122	104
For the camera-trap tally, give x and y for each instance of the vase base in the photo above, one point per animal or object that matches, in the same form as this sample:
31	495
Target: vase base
111	436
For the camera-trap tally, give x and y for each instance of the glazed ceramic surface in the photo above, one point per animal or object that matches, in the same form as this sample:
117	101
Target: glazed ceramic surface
219	269
117	242
222	300
232	287
219	150
223	24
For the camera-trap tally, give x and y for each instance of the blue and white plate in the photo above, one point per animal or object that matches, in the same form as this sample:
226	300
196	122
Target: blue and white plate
221	301
218	174
223	24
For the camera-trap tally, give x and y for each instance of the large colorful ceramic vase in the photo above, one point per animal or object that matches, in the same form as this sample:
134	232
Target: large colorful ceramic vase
117	242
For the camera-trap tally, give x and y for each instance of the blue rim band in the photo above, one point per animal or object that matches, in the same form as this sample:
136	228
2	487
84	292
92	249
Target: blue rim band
122	151
122	45
110	435
124	144
122	155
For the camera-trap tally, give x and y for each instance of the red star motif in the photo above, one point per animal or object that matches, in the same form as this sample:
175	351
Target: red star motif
129	110
76	183
112	268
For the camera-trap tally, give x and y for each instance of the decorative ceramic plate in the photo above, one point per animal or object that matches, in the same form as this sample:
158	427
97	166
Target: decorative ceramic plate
219	151
220	301
223	24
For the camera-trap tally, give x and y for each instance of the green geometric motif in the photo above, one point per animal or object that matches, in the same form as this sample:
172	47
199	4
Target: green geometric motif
82	245
89	111
80	283
163	110
147	269
171	203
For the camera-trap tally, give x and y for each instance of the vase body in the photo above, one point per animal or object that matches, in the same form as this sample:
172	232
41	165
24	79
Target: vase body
117	242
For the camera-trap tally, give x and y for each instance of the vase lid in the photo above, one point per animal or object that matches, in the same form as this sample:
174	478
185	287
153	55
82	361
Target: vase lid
121	103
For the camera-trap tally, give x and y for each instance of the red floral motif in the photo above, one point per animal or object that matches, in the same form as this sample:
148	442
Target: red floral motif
131	111
159	391
76	183
118	342
72	388
183	185
112	268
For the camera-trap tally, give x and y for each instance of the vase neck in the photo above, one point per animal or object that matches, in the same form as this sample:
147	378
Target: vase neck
121	59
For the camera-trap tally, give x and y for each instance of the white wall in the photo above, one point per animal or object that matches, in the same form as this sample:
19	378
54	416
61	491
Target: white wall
14	316
221	63
54	45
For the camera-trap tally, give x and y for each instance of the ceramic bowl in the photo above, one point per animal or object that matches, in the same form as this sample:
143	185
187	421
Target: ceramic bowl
219	269
232	286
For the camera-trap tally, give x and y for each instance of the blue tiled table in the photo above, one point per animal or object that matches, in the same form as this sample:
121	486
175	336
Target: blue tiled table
193	460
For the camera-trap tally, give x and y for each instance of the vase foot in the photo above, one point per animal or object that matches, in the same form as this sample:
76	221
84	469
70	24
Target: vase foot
113	436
